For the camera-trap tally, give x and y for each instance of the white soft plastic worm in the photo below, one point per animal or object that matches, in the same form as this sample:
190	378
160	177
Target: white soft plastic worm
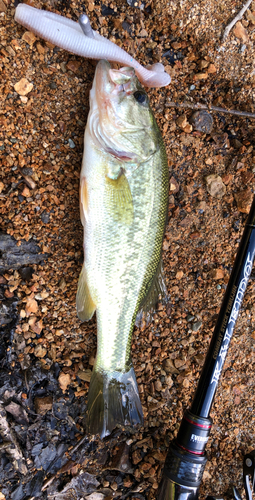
80	39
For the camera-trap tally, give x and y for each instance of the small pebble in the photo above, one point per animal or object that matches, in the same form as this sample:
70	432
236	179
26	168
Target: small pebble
190	317
244	200
26	192
73	66
85	375
218	274
240	32
179	362
71	143
40	351
251	16
158	385
42	405
29	37
179	275
182	121
174	186
31	305
185	383
64	380
2	6
236	143
196	326
211	68
200	76
23	87
215	187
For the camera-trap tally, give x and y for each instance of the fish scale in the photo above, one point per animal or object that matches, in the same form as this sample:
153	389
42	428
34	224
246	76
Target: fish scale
132	263
125	208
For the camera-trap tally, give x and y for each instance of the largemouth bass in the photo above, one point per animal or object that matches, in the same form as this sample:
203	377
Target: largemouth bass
124	204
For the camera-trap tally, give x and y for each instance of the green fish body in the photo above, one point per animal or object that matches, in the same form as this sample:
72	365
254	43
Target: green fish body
124	204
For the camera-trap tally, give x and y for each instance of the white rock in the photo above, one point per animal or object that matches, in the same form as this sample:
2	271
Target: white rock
95	496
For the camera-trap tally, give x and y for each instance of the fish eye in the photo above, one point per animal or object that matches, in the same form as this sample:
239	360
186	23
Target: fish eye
140	97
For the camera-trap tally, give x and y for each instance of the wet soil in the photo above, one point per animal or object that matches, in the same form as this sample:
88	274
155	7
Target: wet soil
46	354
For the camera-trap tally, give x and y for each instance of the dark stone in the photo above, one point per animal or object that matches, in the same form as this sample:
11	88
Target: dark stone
202	121
45	216
34	487
8	320
18	412
53	423
7	310
36	450
121	460
60	410
26	273
126	26
27	171
173	56
15	257
81	485
19	493
47	456
107	11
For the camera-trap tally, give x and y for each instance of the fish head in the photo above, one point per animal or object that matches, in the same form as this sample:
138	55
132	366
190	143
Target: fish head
122	122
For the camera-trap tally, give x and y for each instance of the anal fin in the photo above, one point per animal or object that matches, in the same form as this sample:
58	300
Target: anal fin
156	288
84	303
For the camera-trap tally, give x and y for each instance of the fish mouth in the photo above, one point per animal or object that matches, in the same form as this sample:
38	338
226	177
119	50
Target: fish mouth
114	81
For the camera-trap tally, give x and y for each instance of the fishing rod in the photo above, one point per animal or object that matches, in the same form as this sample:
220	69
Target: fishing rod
186	458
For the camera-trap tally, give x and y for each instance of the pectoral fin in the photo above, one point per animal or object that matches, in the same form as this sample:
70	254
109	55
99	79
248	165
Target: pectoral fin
119	199
84	303
83	200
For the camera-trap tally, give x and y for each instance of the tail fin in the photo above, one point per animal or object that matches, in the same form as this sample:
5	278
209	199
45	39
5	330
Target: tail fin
113	400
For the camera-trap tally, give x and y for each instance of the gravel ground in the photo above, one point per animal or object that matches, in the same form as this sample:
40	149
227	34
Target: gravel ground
46	353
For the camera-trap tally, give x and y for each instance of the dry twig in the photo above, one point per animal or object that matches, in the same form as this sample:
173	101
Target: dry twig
189	105
234	21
